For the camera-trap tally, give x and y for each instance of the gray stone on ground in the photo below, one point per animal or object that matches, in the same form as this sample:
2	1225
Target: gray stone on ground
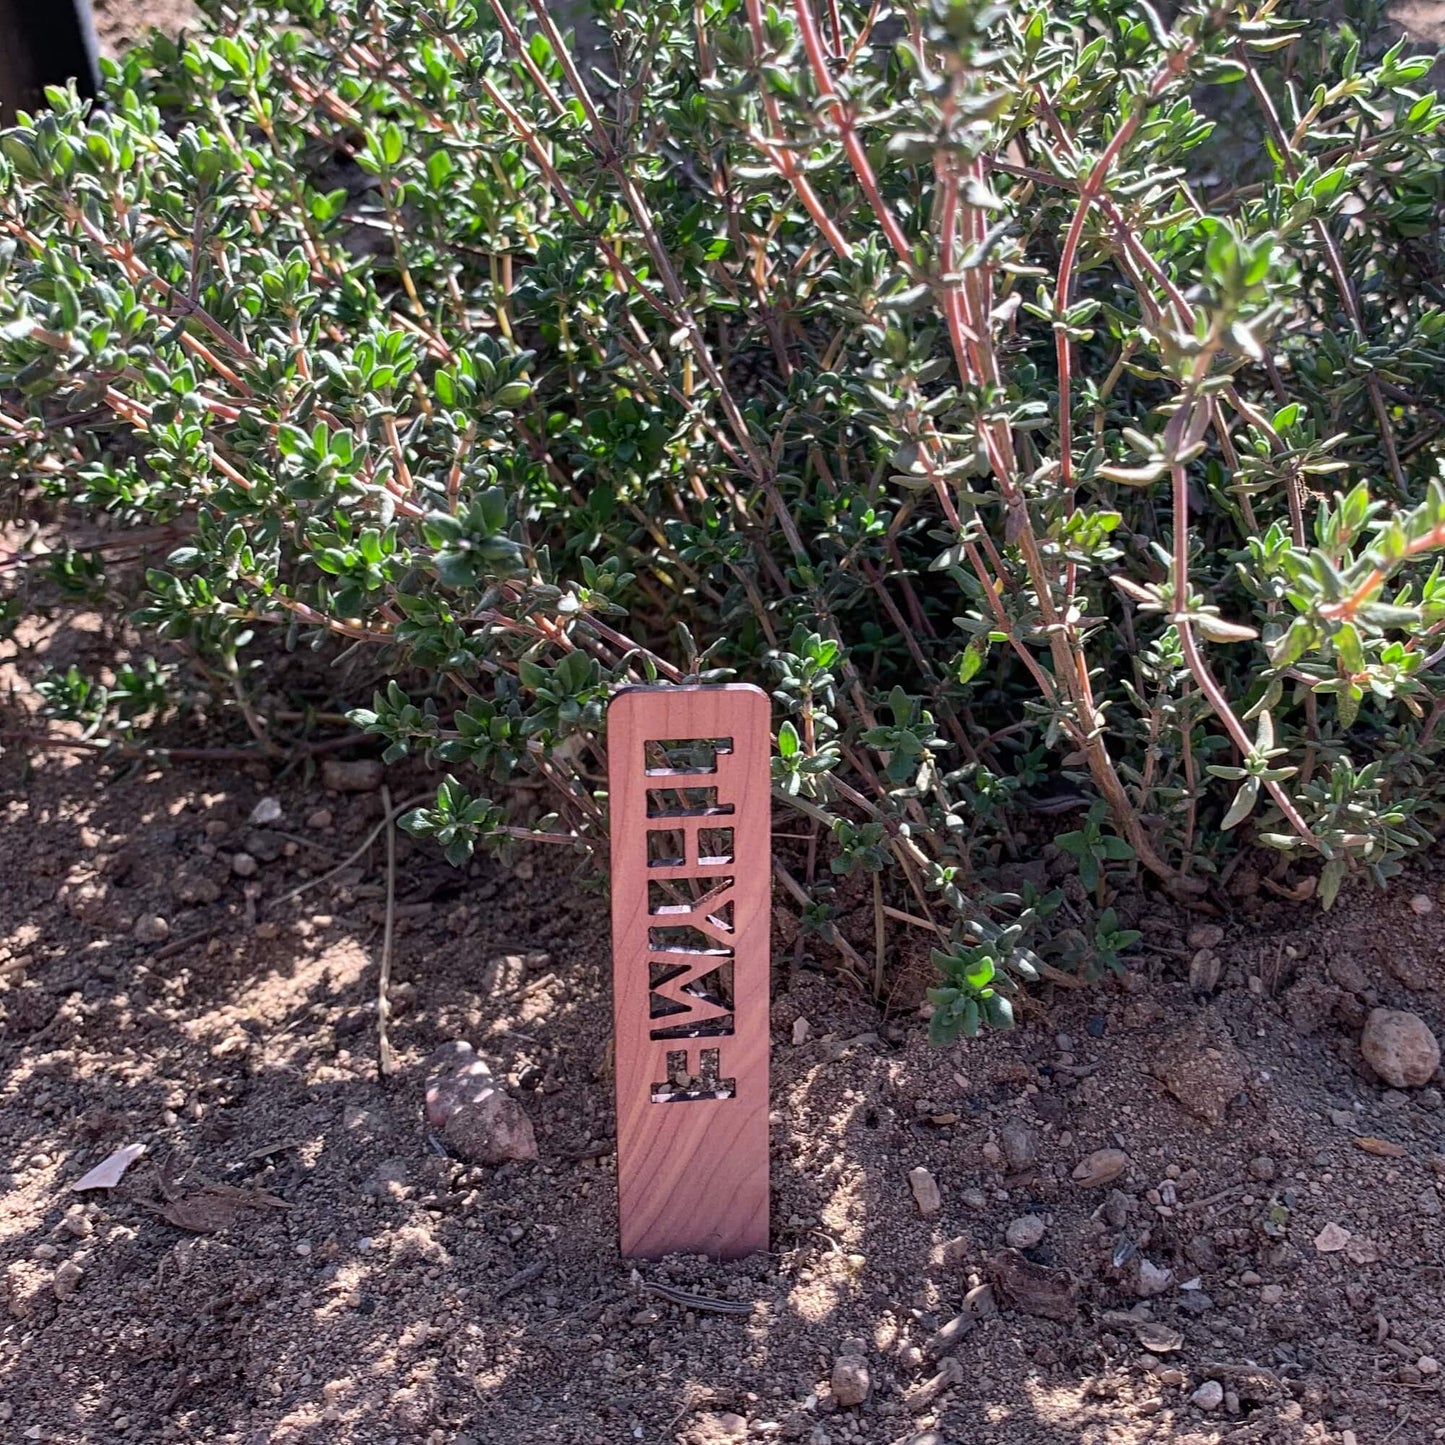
1400	1048
479	1120
1209	1396
1024	1232
1020	1145
851	1380
491	1131
925	1191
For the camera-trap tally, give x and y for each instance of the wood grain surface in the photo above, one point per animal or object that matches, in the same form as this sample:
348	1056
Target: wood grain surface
690	817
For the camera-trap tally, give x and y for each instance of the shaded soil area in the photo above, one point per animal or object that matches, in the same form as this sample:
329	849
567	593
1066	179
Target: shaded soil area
1209	1189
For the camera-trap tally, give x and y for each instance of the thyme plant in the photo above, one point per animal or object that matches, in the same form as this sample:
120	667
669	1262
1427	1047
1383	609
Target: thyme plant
1037	399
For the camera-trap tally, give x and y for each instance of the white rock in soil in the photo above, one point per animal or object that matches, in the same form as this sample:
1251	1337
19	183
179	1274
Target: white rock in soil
925	1191
1400	1048
1209	1396
851	1381
1152	1279
801	1029
151	928
1332	1238
268	810
1422	904
1024	1232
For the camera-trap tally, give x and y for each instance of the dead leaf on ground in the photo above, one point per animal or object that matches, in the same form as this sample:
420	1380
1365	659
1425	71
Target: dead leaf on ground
1384	1148
107	1174
200	1213
246	1198
214	1207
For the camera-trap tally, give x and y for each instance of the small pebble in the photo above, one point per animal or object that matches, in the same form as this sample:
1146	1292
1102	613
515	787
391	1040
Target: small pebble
76	1222
151	928
318	820
925	1191
1024	1232
1271	1294
243	865
1152	1280
1101	1167
1262	1168
1422	904
268	810
850	1380
1400	1048
1428	1365
1209	1396
1020	1145
67	1279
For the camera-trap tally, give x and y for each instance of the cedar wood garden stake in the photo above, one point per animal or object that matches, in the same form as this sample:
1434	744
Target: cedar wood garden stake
689	794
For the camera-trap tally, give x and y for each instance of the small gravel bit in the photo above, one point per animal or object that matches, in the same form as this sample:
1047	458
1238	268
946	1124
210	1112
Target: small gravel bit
925	1191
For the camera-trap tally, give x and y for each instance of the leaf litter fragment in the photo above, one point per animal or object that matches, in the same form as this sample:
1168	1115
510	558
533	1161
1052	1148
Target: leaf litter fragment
213	1207
1382	1148
107	1174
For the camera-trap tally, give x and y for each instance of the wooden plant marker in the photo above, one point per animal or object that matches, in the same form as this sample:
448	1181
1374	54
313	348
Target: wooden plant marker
689	790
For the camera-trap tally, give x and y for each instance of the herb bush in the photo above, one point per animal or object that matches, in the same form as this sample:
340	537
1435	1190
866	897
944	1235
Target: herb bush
944	367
